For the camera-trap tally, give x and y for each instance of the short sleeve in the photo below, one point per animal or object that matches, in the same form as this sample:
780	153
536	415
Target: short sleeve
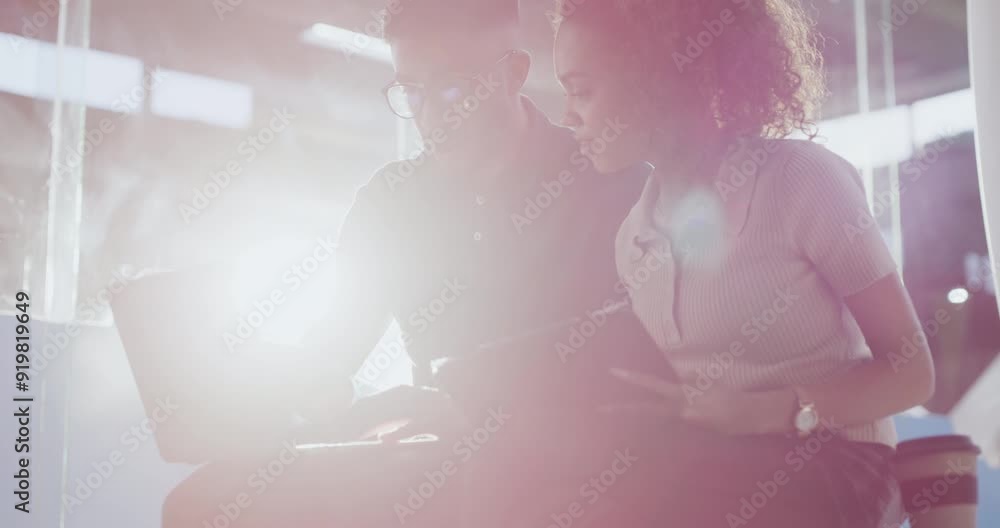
364	240
362	270
827	218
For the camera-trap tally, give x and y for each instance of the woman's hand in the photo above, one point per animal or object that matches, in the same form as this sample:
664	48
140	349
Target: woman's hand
718	407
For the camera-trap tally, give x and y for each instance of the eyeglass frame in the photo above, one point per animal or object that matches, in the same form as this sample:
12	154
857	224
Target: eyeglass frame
422	85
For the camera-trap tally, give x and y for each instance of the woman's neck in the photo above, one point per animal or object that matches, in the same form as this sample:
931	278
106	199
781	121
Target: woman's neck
688	157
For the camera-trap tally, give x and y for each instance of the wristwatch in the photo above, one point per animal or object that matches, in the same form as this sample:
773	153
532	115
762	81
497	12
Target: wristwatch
806	419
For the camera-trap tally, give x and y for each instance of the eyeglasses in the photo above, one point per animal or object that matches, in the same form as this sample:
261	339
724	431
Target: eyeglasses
406	99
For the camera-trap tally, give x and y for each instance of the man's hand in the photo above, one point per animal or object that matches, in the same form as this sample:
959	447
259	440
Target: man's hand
406	410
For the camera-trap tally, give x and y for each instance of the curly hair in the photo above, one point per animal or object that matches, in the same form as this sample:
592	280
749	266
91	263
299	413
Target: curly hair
755	64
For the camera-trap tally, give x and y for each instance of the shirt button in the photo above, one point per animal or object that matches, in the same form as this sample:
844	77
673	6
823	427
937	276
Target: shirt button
480	200
673	337
477	236
636	252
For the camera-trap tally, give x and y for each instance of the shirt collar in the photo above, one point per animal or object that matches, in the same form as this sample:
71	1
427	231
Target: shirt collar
732	184
735	182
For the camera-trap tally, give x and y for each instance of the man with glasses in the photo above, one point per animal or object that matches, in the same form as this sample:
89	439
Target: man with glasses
497	227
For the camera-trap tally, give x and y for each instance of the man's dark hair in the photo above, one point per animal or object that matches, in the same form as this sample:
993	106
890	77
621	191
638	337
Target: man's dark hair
418	18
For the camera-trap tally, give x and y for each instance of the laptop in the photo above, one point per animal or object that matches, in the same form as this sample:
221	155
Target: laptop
203	400
206	402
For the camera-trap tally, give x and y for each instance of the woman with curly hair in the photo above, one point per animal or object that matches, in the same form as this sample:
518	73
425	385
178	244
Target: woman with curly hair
751	259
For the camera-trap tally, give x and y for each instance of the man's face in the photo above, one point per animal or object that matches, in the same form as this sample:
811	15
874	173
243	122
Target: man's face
463	94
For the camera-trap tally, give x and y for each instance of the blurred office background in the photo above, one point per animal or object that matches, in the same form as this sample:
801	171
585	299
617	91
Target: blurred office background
141	135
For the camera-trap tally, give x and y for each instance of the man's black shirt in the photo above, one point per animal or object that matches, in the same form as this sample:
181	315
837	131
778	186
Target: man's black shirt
464	259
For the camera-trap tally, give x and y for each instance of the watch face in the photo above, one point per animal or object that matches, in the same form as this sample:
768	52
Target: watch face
806	420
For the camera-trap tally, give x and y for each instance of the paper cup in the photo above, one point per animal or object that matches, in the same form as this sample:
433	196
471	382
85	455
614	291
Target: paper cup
937	477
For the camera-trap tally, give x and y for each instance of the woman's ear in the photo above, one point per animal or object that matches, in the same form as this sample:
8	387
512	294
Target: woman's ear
518	66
